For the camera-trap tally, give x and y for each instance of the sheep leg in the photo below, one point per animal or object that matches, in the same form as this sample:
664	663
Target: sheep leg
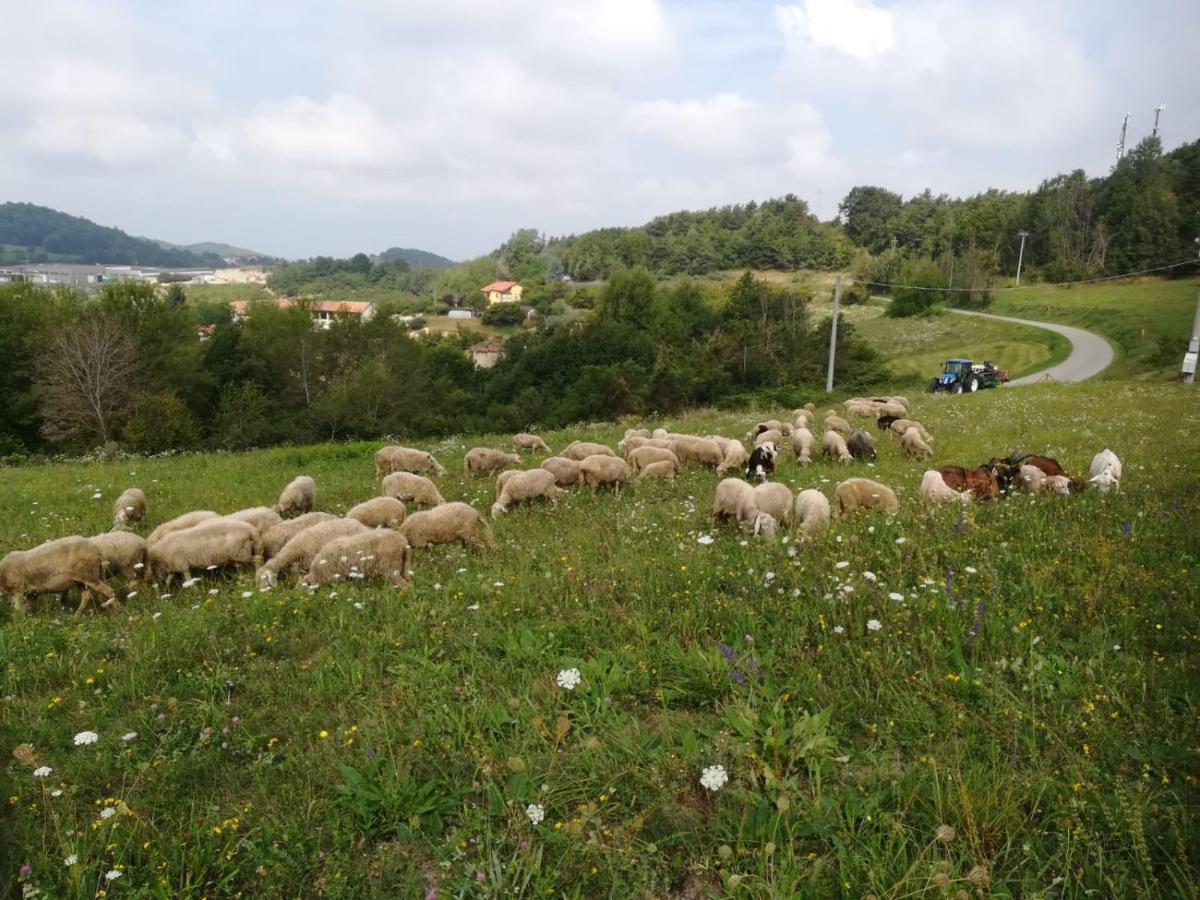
85	600
19	603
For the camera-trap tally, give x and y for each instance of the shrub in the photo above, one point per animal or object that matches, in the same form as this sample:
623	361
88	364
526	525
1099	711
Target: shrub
161	422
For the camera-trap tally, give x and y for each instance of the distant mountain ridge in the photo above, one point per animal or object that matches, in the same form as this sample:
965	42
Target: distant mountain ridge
415	258
32	233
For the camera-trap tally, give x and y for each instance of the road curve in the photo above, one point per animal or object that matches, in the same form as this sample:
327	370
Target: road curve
1090	353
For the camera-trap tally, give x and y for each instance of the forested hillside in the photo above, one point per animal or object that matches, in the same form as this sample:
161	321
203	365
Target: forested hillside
30	233
414	257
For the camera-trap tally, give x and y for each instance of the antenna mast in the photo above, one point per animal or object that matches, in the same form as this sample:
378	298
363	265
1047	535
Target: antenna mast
1157	110
1121	142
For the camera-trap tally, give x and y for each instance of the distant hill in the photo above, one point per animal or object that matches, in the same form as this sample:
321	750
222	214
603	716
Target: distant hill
415	258
31	233
224	250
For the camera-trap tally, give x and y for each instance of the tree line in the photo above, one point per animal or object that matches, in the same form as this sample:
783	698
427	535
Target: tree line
126	367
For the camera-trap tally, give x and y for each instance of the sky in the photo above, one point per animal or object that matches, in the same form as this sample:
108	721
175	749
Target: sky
311	127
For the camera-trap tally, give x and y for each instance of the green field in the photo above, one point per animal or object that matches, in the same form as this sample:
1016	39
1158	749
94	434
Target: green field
1025	675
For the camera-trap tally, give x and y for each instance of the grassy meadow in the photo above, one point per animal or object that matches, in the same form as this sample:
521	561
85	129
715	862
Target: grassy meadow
994	702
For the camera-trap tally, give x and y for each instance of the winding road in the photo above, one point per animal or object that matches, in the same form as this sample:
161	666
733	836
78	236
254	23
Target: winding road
1090	353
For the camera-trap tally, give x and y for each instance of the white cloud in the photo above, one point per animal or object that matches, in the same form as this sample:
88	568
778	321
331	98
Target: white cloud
857	28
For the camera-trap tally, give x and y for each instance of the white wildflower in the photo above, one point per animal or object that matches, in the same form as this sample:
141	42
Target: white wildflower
901	540
838	629
112	875
874	625
536	812
86	737
129	736
71	860
870	576
895	596
705	539
42	771
108	812
970	570
713	778
57	792
569	679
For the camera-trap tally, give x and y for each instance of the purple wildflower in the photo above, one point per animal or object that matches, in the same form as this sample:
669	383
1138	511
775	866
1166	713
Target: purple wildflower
26	869
726	651
1127	528
977	622
737	676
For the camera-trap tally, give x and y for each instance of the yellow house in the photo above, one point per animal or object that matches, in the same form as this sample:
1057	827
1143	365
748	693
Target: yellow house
502	292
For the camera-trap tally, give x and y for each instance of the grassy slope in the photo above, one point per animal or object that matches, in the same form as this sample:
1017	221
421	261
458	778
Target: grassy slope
993	699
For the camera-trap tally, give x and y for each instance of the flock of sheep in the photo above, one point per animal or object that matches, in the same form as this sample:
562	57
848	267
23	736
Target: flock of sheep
374	540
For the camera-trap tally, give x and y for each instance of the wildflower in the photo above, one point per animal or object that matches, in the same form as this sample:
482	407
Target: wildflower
726	651
108	812
838	629
895	596
129	736
713	778
536	813
870	576
705	539
42	771
901	540
86	737
26	870
569	679
246	595
841	564
874	625
945	834
71	860
979	876
57	792
970	570
112	875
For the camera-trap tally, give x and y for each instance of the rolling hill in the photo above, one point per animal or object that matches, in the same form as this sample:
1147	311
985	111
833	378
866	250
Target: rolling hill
415	257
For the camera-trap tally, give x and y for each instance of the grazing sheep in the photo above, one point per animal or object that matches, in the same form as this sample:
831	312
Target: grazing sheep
565	471
124	554
581	450
447	523
179	523
485	459
735	452
775	500
899	426
379	512
378	554
802	444
1032	479
664	468
302	549
860	445
811	512
1060	484
834	422
525	441
802	418
405	459
410	488
604	470
659	433
884	423
519	487
690	448
934	490
129	507
912	445
275	538
811	407
219	542
643	456
1105	471
634	441
768	425
833	445
734	499
632	434
863	493
761	464
260	517
770	436
54	568
298	497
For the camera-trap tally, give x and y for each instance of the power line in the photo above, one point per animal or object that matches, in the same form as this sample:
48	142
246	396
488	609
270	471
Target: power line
992	290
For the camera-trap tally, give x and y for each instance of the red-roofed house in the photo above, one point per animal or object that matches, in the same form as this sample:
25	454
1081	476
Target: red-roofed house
502	292
323	311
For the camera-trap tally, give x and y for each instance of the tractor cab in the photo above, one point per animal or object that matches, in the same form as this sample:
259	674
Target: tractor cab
962	375
956	371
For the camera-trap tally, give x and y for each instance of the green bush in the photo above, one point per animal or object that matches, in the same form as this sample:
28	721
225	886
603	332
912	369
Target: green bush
162	422
503	314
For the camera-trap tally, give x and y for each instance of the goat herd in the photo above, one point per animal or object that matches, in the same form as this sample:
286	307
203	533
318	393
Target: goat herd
374	540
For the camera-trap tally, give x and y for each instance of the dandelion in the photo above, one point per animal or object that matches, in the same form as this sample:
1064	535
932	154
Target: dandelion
86	737
108	812
895	596
42	771
569	679
874	625
713	778
705	539
112	875
536	813
71	860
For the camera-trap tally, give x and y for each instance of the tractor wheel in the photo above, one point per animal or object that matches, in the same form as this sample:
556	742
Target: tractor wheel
956	388
973	384
933	386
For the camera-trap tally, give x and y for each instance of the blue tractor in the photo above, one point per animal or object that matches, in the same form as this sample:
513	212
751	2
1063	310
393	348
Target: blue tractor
961	375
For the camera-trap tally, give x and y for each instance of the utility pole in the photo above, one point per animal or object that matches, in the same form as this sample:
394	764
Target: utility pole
837	300
1193	350
1158	109
1121	142
1021	256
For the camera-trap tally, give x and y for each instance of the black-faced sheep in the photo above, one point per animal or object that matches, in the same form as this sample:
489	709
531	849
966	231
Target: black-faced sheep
761	464
54	568
448	523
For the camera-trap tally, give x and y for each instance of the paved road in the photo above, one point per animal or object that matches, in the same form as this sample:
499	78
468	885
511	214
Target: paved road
1090	353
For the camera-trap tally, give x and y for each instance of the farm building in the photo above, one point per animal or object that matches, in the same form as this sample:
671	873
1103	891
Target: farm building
486	354
323	311
502	292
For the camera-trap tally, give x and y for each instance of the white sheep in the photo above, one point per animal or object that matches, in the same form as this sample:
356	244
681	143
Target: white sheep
635	433
1032	479
275	538
631	443
124	554
378	554
770	436
863	493
581	450
179	523
379	512
523	441
768	425
834	422
260	517
775	499
213	543
565	471
302	549
734	499
405	459
690	448
1105	471
1059	484
298	497
129	507
522	486
664	468
643	456
802	444
912	444
487	459
898	427
934	490
410	488
54	568
833	445
735	455
448	523
802	417
811	512
597	471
